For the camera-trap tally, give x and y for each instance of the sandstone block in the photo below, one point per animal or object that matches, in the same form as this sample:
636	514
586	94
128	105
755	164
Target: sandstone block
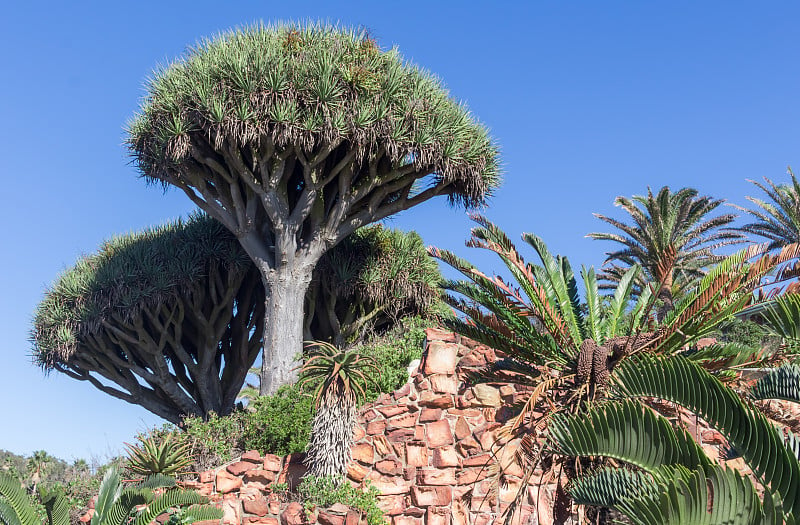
391	486
272	462
445	456
326	518
467	446
404	391
470	476
382	446
401	434
406	520
477	461
440	358
391	410
356	471
437	334
207	476
436	476
416	455
253	520
414	511
251	455
260	476
363	453
389	467
406	420
438	433
428	496
231	512
392	505
428	415
358	432
486	395
240	467
227	482
293	514
258	506
437	516
433	400
444	383
462	428
376	427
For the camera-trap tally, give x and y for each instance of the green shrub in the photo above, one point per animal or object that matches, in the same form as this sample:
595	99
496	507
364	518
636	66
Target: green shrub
325	491
278	424
393	352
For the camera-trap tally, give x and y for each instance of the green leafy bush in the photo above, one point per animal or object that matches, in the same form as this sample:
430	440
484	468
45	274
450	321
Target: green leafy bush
393	352
278	424
325	491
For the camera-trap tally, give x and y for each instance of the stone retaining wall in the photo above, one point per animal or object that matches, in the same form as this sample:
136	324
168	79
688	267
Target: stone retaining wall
428	448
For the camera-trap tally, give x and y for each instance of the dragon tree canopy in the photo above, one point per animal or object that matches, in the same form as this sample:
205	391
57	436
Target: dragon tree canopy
294	136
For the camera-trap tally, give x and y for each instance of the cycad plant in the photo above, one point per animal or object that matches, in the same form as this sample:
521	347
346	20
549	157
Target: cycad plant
141	503
669	479
566	351
671	236
16	507
778	218
339	378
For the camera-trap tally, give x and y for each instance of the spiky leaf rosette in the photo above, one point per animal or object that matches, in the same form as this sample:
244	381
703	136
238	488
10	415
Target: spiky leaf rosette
370	280
168	318
778	218
339	378
309	91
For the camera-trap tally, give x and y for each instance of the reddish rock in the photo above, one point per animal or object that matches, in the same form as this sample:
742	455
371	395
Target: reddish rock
466	412
415	512
416	455
389	467
231	510
86	518
409	473
444	384
227	482
406	520
486	395
258	506
369	415
404	391
207	476
259	476
462	429
430	414
376	427
428	496
470	476
471	360
252	520
405	421
391	486
440	358
433	400
382	446
325	518
356	471
240	467
251	455
437	334
459	514
437	516
353	517
391	410
392	505
438	433
712	437
272	462
438	476
401	434
477	461
445	456
363	453
467	446
399	449
293	514
358	432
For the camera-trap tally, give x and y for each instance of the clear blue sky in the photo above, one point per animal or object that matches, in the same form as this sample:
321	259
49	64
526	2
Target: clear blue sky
588	100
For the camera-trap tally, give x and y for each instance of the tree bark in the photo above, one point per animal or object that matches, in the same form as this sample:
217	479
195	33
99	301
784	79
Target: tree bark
285	289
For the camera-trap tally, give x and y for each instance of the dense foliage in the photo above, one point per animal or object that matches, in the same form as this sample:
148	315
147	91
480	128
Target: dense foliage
325	491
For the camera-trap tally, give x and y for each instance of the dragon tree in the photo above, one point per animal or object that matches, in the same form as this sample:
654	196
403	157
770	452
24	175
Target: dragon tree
295	136
171	318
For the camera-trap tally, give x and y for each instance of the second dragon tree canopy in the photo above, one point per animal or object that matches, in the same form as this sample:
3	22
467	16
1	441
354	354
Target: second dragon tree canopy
294	136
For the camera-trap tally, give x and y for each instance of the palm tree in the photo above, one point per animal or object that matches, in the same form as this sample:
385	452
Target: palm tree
671	237
339	378
38	465
779	218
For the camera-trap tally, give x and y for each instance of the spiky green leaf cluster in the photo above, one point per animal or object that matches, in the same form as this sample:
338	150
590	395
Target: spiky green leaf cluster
778	218
166	455
303	86
128	274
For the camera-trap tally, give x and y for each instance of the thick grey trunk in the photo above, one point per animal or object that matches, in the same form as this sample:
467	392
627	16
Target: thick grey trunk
283	331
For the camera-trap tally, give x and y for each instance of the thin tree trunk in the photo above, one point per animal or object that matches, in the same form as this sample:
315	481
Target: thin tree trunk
283	330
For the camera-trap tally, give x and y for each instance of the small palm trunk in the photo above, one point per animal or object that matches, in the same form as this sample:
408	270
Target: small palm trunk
331	436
